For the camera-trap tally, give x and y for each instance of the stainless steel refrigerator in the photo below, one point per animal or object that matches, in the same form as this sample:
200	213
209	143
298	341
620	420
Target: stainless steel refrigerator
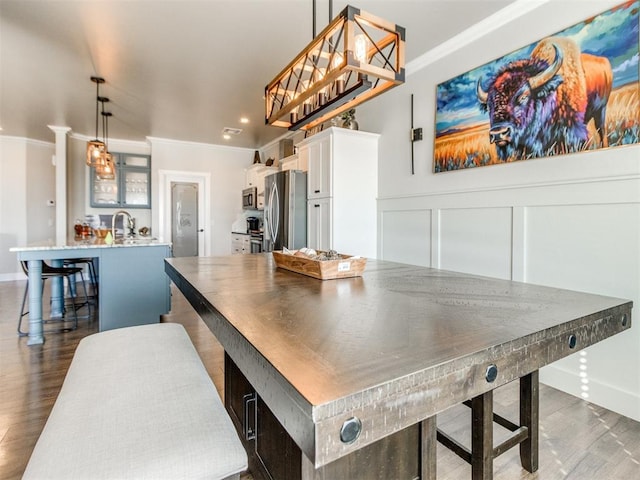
285	210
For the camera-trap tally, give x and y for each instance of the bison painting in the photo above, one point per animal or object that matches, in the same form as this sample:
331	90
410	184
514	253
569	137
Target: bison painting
541	105
574	91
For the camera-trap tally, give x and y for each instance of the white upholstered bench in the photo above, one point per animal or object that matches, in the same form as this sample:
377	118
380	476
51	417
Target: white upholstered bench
137	403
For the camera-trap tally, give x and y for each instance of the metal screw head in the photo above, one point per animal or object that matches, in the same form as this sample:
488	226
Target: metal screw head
491	373
350	430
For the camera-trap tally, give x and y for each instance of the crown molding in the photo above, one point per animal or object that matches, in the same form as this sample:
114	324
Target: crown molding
494	22
216	146
27	141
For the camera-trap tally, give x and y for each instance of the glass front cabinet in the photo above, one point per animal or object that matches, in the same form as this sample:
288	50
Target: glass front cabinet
131	187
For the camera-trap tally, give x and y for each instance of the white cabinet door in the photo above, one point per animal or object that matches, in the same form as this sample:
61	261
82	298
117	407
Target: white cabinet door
251	176
320	168
303	160
320	221
290	163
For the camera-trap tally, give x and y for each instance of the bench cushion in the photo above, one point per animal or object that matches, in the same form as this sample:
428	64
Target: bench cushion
137	403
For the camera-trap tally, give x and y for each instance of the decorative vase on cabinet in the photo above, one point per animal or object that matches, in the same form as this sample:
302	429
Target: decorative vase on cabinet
349	119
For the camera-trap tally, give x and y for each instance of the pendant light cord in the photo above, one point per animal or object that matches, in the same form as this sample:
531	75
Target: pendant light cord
106	138
105	128
97	100
313	30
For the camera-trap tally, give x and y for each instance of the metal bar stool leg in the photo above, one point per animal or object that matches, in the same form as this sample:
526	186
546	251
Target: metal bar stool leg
42	274
86	296
93	278
74	307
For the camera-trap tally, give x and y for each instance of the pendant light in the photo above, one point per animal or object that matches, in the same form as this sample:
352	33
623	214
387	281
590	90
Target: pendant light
95	148
356	57
106	170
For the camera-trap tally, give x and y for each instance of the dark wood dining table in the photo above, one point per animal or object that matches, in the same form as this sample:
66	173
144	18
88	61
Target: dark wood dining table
345	363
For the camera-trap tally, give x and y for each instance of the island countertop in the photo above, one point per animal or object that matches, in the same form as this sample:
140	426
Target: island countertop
134	289
73	243
392	347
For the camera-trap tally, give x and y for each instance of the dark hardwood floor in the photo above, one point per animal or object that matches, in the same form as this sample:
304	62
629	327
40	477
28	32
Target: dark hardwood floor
578	440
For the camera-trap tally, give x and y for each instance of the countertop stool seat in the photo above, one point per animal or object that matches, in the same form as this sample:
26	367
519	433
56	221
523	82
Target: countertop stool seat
53	272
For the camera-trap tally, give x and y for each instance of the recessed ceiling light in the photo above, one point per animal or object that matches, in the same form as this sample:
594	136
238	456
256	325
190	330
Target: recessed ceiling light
244	120
226	136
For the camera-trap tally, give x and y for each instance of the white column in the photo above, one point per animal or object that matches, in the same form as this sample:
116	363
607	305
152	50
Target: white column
61	183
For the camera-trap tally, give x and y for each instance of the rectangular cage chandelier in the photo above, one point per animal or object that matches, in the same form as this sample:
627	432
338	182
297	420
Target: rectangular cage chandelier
355	58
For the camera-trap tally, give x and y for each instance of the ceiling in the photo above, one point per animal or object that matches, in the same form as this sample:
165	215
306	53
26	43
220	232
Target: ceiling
177	69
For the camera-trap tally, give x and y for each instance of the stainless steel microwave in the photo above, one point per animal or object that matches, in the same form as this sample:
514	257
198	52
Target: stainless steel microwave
250	198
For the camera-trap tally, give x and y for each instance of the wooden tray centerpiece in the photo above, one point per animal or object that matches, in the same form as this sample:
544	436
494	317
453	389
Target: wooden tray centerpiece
296	261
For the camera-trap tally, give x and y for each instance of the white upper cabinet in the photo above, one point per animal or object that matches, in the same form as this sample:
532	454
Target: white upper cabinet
294	162
342	190
318	156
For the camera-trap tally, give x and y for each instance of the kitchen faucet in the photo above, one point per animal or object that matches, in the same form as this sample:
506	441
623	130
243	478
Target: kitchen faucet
130	224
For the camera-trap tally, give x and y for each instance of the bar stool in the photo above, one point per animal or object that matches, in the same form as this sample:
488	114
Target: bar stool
93	278
52	272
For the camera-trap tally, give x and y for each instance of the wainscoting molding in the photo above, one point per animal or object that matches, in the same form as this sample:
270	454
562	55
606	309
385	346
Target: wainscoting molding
582	235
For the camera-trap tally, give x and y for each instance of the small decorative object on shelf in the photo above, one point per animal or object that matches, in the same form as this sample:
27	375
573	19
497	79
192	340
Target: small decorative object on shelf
349	119
270	161
256	157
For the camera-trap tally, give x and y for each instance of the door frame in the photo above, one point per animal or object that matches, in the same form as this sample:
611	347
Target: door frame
203	180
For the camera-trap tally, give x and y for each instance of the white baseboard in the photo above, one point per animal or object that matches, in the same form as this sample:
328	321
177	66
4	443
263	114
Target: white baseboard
607	396
12	277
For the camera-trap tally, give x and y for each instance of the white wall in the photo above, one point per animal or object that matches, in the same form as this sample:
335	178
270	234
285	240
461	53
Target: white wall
225	165
571	222
27	181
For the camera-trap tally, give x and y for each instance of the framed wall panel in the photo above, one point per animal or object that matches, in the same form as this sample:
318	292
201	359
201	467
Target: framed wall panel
476	240
591	248
406	236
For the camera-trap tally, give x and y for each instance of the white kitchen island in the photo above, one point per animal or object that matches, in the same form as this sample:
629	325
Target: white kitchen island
134	290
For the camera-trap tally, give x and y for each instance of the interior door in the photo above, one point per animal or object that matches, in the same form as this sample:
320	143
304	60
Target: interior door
184	219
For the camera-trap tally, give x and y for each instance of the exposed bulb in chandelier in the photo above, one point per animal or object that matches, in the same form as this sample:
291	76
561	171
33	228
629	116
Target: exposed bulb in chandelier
362	46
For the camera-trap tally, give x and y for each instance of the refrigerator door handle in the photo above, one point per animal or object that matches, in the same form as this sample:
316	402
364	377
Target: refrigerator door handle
276	211
267	216
270	214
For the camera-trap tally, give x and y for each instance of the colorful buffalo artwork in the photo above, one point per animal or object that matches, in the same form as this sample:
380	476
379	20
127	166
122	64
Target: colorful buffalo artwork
574	91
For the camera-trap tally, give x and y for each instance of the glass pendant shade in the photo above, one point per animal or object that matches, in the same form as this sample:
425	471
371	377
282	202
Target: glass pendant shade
95	149
106	169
